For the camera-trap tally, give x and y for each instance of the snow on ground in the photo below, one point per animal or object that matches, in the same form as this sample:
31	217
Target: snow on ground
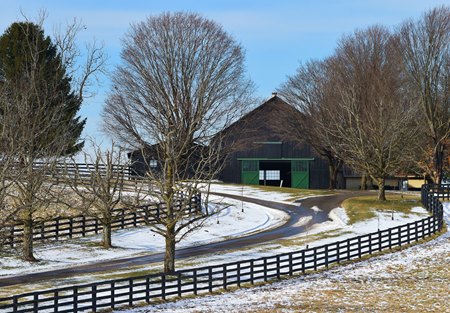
229	223
416	279
320	234
232	222
254	192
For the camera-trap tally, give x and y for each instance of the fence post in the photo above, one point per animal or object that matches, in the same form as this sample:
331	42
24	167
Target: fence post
35	302
147	289
43	230
348	249
179	284
130	288
57	228
94	298
15	303
338	252
370	243
113	291
265	269
195	281
416	229
75	299
390	238
303	262
96	226
359	247
238	274
278	266
83	226
55	301
70	227
315	258
252	274
326	256
380	241
224	275
290	265
163	286
210	279
11	236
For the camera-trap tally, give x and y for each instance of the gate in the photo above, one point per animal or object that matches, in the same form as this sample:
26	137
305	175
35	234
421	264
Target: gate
300	174
250	172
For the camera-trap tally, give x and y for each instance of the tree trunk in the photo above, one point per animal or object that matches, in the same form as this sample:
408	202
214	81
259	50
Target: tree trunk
438	163
169	257
333	176
364	182
381	189
27	241
106	241
334	166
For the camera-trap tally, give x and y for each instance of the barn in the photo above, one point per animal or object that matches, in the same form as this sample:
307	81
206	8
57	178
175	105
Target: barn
259	153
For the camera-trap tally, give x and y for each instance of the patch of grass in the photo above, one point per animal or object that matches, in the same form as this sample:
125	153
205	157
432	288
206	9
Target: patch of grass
128	274
363	208
302	241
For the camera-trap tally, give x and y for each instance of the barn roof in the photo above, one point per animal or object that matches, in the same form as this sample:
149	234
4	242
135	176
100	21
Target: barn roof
269	117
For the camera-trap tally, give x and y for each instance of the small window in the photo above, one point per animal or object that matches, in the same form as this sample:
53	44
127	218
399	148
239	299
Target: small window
153	163
270	175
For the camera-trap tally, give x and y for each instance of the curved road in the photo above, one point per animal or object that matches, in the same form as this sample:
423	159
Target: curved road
296	212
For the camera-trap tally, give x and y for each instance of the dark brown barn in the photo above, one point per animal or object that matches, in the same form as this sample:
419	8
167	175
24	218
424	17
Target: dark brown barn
260	154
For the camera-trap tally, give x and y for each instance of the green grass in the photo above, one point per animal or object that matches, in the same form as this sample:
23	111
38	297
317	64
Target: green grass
363	208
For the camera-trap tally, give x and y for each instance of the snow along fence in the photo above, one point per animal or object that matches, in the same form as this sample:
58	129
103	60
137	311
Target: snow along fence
81	225
145	289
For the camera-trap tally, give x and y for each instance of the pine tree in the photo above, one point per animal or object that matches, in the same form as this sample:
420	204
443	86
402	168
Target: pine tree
30	62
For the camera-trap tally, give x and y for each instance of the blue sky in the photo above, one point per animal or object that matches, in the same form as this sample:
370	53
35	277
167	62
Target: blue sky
277	35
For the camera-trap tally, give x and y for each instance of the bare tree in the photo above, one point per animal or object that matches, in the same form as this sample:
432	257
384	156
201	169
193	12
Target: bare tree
373	122
181	81
311	91
425	45
39	123
98	192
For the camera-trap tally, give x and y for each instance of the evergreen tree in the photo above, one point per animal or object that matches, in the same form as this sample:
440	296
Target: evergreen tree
31	67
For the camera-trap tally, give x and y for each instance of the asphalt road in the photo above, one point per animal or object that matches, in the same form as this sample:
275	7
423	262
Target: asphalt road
296	212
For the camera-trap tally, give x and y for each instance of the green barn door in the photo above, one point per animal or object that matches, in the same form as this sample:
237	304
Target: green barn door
300	174
250	172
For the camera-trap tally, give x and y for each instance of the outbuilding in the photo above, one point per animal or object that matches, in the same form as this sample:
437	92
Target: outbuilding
259	152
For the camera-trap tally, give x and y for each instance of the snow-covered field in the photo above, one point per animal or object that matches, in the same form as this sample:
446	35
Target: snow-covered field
231	222
416	279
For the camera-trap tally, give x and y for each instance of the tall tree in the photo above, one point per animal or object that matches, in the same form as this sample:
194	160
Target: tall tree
425	45
181	81
38	117
27	55
373	120
311	90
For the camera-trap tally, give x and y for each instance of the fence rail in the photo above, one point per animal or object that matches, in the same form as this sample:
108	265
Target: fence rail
81	226
84	170
130	291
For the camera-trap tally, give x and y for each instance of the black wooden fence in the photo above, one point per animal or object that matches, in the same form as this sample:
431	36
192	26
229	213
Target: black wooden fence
116	293
82	170
81	226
